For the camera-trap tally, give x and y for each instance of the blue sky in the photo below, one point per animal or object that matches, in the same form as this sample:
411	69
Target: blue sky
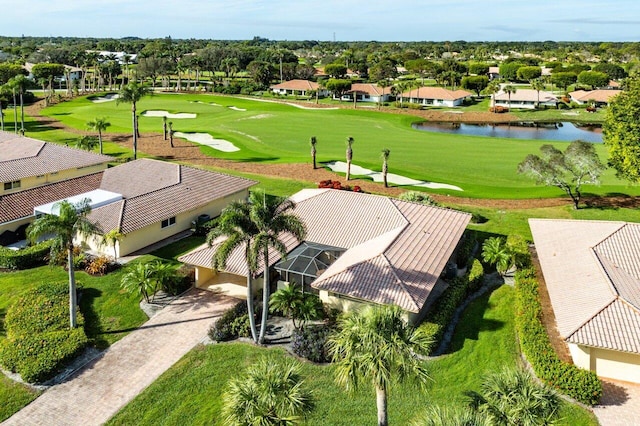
382	20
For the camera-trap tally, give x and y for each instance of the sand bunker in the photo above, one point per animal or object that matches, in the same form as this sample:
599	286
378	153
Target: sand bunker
236	108
206	103
288	103
168	114
106	98
341	166
256	117
208	140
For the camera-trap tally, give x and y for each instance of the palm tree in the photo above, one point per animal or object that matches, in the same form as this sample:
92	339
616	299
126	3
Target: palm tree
294	303
164	126
537	85
509	89
439	416
171	132
236	225
376	344
513	397
492	88
4	91
112	238
385	165
99	125
269	394
13	89
132	93
87	143
314	141
349	156
139	279
20	82
69	222
273	218
496	252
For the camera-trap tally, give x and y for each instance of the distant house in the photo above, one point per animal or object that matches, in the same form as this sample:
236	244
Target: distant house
34	172
298	88
393	253
526	99
75	73
592	274
601	97
367	92
436	96
494	73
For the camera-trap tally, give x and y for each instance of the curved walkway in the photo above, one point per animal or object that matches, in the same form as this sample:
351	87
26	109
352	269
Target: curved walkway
104	386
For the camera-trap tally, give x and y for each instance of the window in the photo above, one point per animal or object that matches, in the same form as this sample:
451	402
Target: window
168	222
11	185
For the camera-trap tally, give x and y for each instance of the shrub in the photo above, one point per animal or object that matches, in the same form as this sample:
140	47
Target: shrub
26	258
476	275
177	283
418	197
444	308
583	385
232	322
465	251
100	265
311	343
39	341
499	109
335	184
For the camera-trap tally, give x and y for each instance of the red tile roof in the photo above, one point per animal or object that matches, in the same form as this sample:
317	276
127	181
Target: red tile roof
370	89
296	85
600	95
592	273
19	205
22	157
428	92
395	250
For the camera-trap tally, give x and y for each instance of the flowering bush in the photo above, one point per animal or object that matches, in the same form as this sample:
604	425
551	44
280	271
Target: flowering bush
335	184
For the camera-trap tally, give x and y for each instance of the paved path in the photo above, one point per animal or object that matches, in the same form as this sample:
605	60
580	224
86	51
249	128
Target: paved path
620	404
104	386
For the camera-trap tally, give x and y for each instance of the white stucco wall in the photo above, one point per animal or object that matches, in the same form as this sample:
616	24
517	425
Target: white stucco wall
607	363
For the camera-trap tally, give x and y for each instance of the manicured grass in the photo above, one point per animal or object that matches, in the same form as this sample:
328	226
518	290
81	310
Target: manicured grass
177	249
13	396
190	392
269	132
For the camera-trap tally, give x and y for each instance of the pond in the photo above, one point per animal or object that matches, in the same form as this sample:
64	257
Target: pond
559	131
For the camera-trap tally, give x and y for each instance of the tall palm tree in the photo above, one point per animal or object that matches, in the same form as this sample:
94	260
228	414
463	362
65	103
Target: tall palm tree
509	89
21	82
171	132
70	221
4	91
273	218
99	125
14	89
513	397
164	126
492	88
313	142
385	165
236	225
376	345
537	85
349	156
131	94
269	394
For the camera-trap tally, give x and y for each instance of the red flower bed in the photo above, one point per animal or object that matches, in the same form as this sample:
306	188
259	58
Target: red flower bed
334	184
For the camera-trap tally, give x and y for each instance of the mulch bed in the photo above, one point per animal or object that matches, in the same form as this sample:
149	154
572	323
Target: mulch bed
185	151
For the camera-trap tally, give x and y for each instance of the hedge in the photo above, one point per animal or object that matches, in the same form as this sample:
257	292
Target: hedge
580	384
39	341
445	307
26	258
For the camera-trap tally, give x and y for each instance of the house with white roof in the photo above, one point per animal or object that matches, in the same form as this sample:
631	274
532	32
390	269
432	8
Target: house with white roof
600	97
592	274
436	96
367	92
525	99
360	249
298	88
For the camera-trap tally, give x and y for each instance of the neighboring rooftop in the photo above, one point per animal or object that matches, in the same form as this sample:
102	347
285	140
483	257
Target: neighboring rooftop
600	95
22	157
369	89
394	250
297	85
428	92
527	95
592	273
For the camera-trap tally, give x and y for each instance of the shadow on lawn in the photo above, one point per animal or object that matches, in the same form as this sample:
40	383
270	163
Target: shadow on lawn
472	322
3	312
92	324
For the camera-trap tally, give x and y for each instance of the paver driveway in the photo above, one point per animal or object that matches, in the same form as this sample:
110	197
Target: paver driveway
105	385
620	404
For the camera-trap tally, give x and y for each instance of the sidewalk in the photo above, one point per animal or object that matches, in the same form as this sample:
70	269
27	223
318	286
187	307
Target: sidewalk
108	383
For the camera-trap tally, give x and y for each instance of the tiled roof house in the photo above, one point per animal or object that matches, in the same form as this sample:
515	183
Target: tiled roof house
360	248
436	96
592	274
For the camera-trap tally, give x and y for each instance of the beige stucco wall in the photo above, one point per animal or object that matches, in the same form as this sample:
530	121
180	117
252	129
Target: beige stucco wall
222	282
607	363
153	233
34	181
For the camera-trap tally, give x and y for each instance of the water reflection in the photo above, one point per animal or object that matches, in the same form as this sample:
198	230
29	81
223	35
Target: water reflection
560	131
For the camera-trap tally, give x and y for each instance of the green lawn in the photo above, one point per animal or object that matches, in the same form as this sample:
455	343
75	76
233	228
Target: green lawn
269	132
189	393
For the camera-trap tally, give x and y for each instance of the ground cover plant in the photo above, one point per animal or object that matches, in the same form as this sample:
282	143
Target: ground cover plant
483	167
485	337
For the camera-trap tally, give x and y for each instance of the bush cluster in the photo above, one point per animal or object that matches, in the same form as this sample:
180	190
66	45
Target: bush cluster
39	341
334	184
418	197
26	258
311	343
466	249
444	308
499	109
233	323
583	385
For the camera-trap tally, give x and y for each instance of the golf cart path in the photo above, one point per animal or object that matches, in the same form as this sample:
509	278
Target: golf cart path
101	388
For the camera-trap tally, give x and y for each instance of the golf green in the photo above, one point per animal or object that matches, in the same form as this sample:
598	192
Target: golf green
483	167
